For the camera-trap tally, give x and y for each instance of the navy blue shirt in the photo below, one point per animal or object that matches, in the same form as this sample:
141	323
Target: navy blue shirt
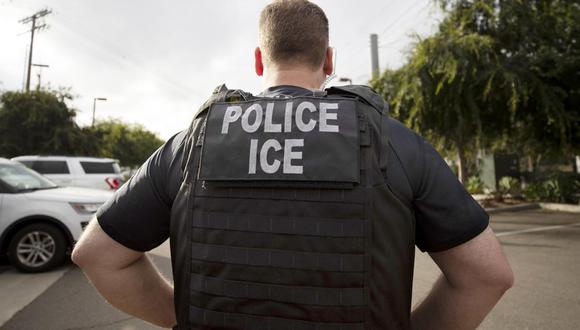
139	214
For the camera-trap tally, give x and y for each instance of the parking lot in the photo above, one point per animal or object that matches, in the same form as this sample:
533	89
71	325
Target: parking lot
543	248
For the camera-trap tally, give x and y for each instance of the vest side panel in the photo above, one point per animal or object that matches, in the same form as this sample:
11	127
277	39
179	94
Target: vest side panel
180	228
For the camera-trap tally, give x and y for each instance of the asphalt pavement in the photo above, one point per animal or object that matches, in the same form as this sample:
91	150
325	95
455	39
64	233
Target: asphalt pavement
543	249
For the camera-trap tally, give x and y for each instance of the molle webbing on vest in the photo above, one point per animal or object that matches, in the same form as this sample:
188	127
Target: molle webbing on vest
281	225
219	320
279	275
280	293
279	258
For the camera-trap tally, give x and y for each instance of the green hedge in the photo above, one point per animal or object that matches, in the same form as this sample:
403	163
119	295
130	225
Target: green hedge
555	187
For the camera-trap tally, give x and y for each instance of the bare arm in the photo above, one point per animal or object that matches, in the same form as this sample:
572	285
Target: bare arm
475	277
126	278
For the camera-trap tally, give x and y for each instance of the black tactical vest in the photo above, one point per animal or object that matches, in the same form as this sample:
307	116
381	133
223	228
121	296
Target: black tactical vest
284	219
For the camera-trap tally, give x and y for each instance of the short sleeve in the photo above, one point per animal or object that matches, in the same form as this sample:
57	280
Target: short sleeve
138	214
446	214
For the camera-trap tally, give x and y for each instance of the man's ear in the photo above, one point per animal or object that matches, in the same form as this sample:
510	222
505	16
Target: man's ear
328	62
259	64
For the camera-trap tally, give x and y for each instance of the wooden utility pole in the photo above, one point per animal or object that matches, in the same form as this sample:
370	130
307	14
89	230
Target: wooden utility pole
40	66
33	19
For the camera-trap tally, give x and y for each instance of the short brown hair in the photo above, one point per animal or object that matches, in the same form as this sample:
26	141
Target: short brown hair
294	32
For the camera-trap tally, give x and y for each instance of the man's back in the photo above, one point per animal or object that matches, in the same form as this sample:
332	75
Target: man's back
400	216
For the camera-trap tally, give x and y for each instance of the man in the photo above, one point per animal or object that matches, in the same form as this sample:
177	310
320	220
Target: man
295	210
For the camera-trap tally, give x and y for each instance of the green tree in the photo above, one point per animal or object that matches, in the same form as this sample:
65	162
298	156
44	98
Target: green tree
498	75
444	90
130	144
38	122
537	42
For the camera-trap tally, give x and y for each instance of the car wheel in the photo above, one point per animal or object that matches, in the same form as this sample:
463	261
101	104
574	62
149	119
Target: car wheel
37	248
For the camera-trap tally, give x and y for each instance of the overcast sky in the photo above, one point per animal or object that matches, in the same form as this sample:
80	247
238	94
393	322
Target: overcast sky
157	61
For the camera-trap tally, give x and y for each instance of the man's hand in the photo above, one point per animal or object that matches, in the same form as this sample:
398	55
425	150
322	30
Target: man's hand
475	276
127	279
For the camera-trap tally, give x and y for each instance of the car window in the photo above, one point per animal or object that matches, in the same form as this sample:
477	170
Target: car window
50	167
27	163
20	178
4	188
100	168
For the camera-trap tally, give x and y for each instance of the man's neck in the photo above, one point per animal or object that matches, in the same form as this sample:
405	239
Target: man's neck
301	78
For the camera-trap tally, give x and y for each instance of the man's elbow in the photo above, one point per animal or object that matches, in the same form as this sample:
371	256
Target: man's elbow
496	279
79	256
86	252
507	279
500	280
83	255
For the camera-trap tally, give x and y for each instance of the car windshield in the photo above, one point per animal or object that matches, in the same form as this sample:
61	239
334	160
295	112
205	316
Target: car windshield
23	179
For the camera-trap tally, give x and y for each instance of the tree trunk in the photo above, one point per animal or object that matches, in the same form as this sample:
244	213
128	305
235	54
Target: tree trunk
462	175
530	164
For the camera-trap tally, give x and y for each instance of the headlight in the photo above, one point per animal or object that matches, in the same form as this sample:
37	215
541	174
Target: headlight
86	208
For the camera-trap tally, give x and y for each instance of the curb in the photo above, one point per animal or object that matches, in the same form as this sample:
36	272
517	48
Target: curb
515	208
570	208
481	197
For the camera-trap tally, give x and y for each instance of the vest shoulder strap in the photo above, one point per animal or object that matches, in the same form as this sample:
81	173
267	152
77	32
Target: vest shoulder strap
220	94
367	94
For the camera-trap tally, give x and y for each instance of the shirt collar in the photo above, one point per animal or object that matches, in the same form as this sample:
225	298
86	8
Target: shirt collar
284	91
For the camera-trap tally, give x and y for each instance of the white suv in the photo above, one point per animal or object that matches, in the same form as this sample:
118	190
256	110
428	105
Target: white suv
99	173
40	221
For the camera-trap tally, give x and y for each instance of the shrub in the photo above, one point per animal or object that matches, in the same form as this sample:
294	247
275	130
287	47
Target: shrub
474	185
509	185
555	188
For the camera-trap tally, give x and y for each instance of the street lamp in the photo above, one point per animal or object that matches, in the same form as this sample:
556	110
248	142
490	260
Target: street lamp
41	66
344	79
95	107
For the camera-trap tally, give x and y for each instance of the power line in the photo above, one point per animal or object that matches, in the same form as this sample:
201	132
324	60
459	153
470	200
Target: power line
394	23
381	11
113	49
400	38
116	51
405	12
392	43
403	35
33	19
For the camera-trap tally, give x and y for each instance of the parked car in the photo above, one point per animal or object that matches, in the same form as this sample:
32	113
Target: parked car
40	221
99	173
